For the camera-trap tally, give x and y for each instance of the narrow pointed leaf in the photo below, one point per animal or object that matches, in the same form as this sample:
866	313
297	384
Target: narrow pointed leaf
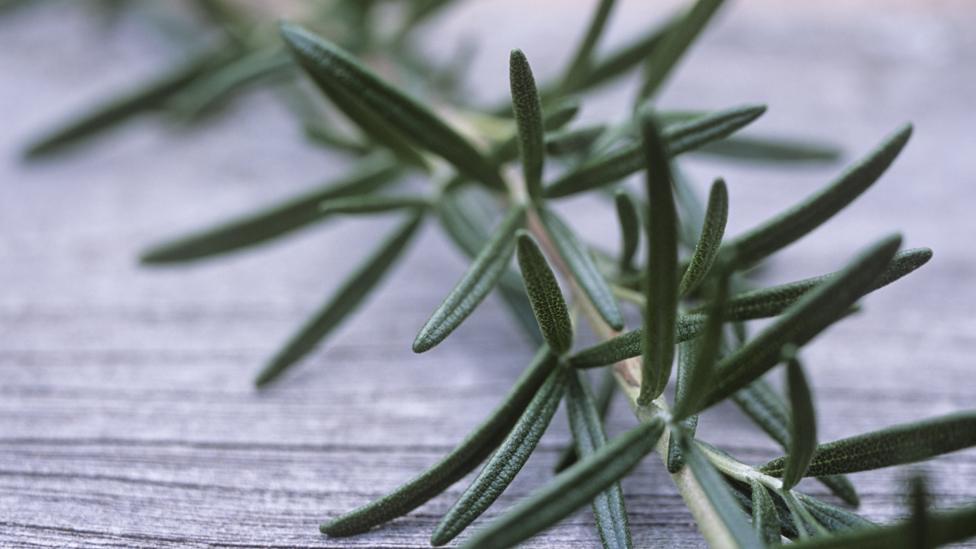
803	321
586	423
553	119
452	467
277	220
768	410
506	462
584	270
325	62
771	151
544	294
833	518
570	490
772	301
718	494
629	228
602	401
905	443
698	378
629	159
629	344
803	424
367	204
148	96
765	520
618	62
343	302
666	56
918	522
661	282
809	214
709	239
687	359
580	62
528	119
943	528
573	140
206	93
488	267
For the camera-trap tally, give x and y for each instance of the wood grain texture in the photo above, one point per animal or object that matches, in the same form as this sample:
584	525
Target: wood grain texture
127	417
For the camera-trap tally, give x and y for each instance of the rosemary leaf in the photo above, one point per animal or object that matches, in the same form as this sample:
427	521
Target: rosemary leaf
544	294
630	158
803	424
325	62
769	150
629	344
570	490
833	518
942	528
803	321
765	519
665	57
806	216
603	399
343	302
718	494
206	93
580	63
661	282
905	443
709	239
528	119
553	119
506	462
488	266
367	204
768	410
918	521
573	141
687	360
629	228
619	61
452	467
772	301
584	270
698	378
147	96
586	422
275	221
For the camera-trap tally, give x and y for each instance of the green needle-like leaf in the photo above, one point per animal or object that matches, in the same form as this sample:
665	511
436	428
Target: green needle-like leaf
629	228
665	57
528	119
806	216
148	96
574	140
274	221
630	159
206	93
629	344
587	425
716	214
325	62
687	360
616	63
343	302
661	282
488	267
698	378
452	467
942	528
368	204
768	150
918	524
718	494
544	294
582	59
570	490
768	410
803	424
765	519
603	399
803	321
772	301
905	443
833	518
506	462
554	118
584	270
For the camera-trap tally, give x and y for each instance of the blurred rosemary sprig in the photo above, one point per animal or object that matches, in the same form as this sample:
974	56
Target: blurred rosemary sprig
691	286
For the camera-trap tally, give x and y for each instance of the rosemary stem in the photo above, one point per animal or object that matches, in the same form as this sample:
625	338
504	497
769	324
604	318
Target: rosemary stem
628	376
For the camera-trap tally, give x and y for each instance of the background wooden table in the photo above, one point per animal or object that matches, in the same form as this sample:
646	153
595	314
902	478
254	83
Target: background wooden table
127	417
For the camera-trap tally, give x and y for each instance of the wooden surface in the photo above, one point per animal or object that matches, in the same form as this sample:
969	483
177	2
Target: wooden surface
127	417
